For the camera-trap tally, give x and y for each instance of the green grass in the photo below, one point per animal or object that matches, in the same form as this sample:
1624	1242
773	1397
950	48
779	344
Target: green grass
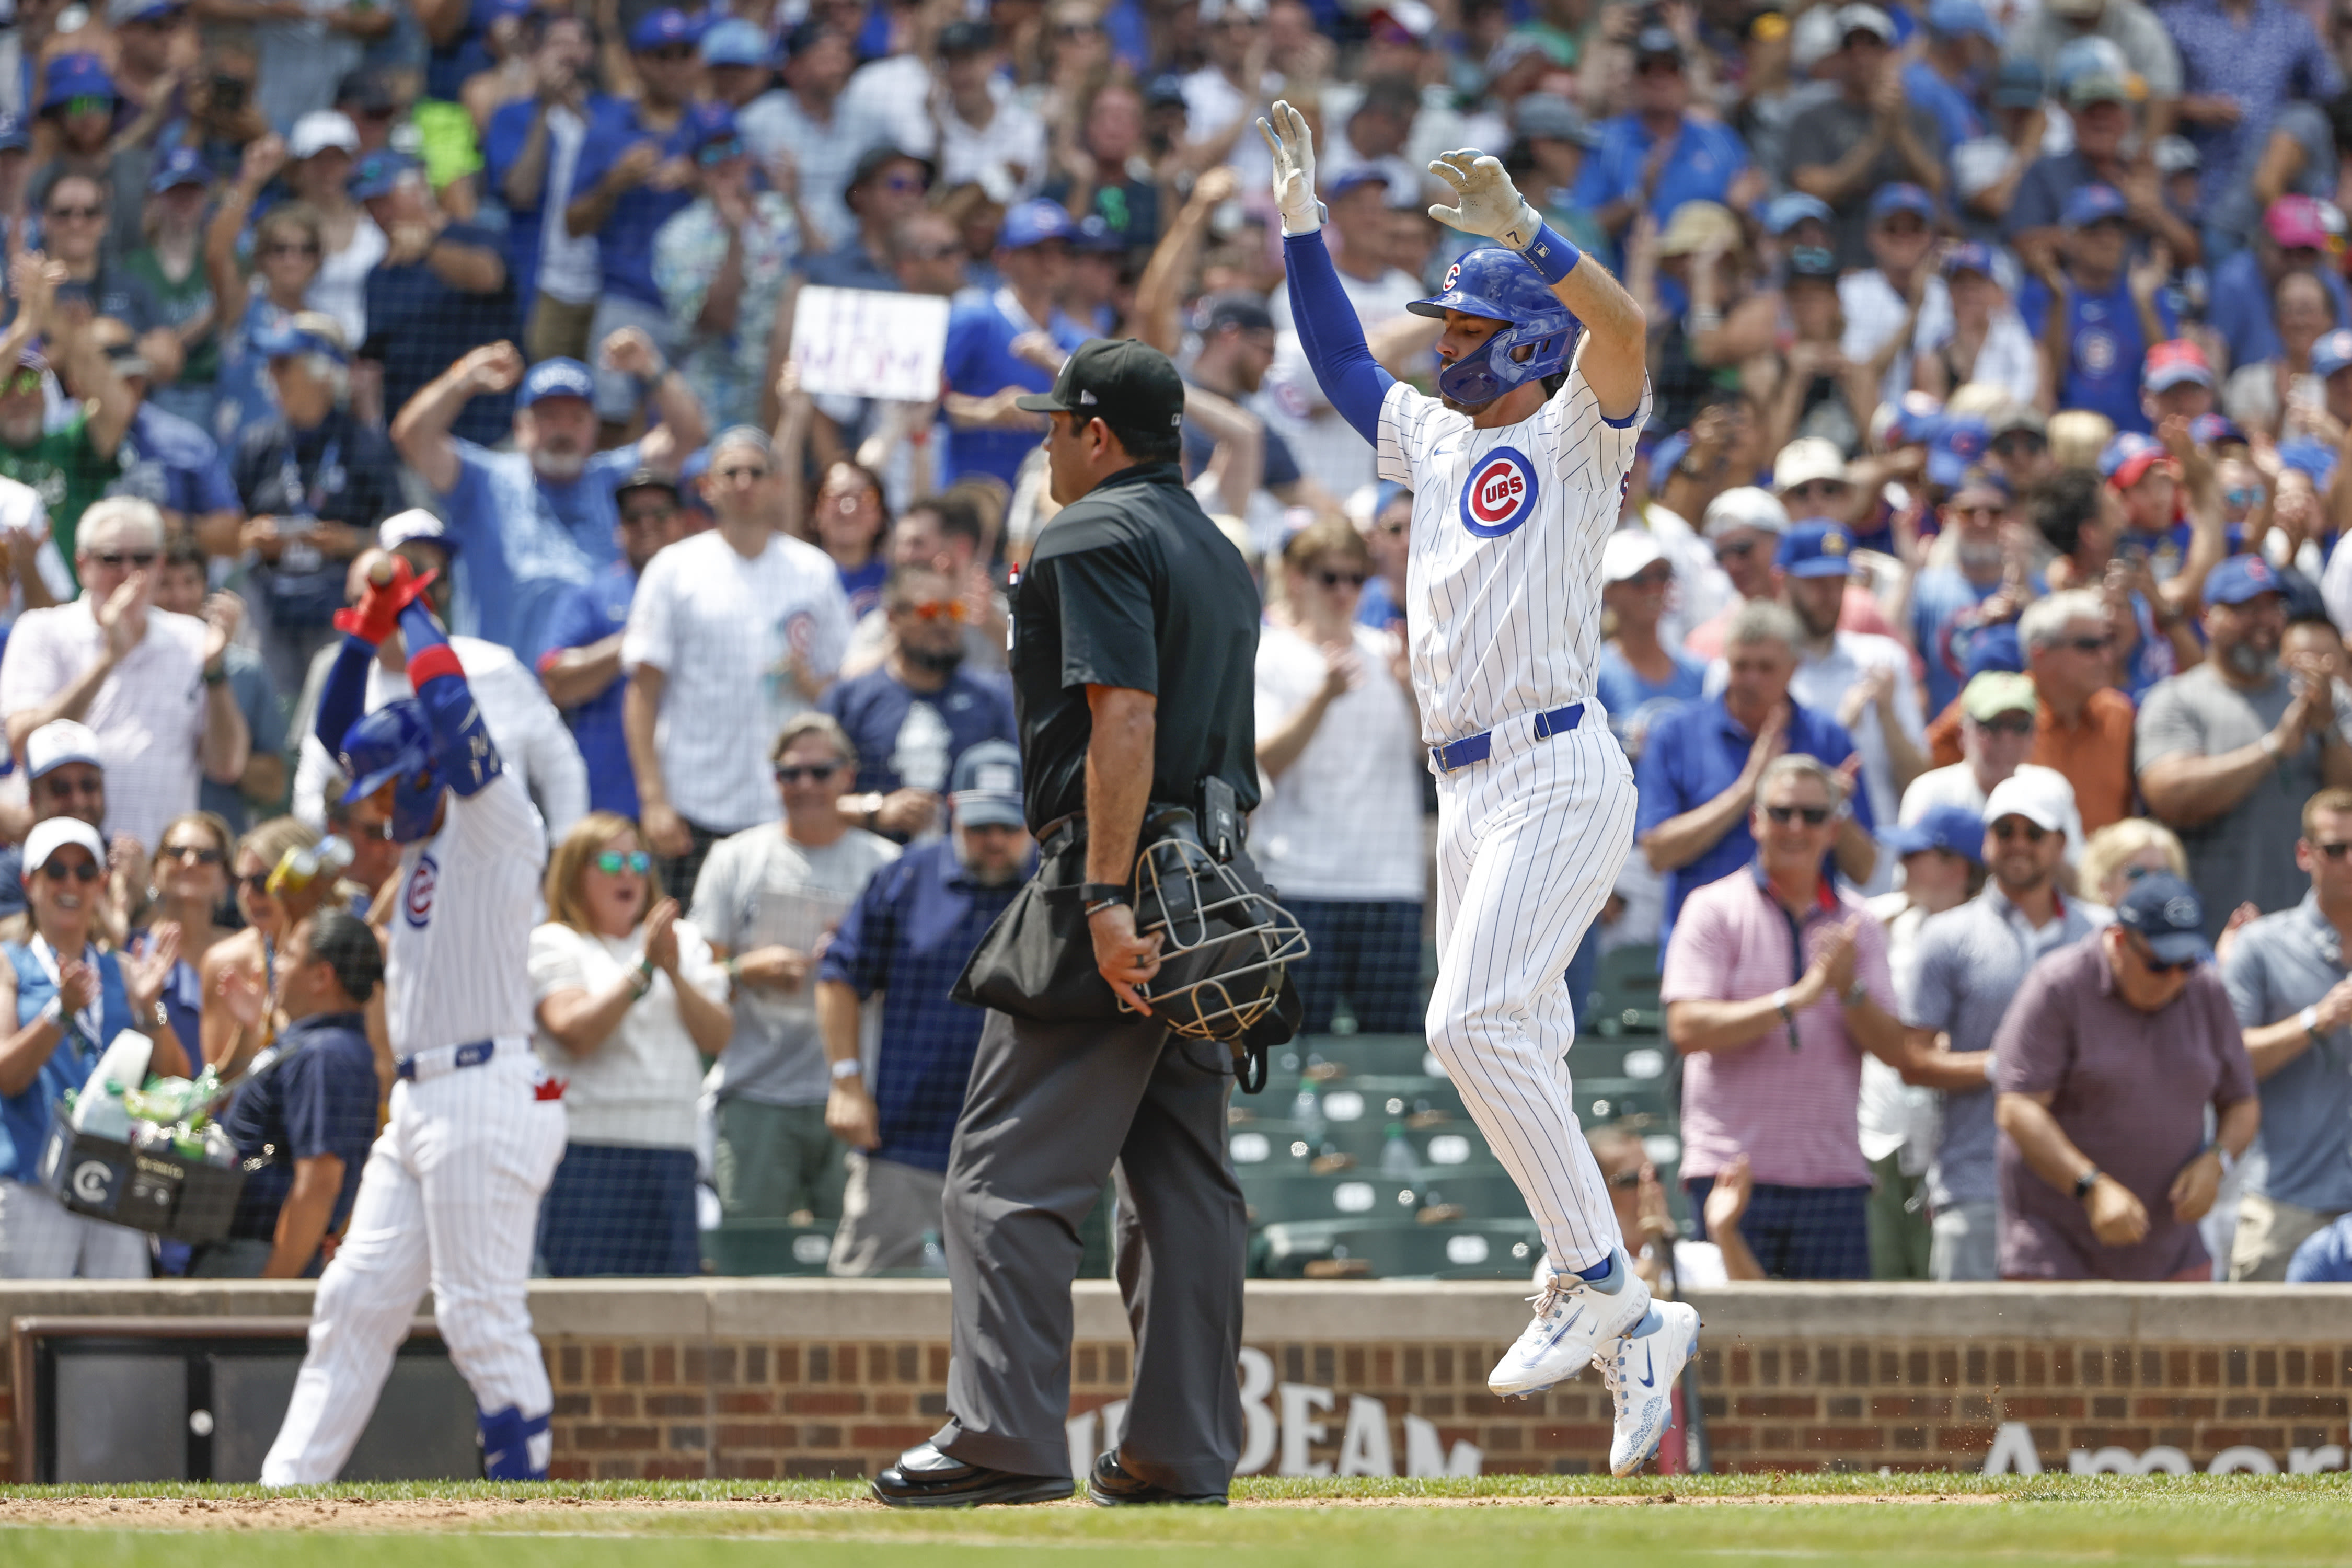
2272	1522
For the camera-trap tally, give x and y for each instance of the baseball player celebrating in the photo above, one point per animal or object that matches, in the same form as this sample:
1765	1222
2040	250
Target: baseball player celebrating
1516	472
450	1195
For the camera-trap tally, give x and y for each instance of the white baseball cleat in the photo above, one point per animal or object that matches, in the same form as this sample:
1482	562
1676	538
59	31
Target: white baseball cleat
1575	1319
1641	1370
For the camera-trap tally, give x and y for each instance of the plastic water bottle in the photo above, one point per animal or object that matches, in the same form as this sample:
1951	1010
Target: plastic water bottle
1307	1114
935	1258
1397	1155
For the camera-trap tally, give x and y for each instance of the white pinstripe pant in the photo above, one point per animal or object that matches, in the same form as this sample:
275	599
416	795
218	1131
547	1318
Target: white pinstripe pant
450	1199
1528	843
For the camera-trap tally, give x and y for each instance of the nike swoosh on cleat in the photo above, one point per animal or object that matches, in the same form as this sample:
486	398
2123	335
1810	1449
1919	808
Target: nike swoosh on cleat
1562	1331
1649	1368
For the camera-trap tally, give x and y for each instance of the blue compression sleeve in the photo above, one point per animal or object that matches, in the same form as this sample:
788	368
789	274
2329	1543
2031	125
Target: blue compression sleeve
461	743
345	696
1332	336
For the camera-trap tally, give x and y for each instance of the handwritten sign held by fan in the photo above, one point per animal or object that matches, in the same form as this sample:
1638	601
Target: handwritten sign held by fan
862	343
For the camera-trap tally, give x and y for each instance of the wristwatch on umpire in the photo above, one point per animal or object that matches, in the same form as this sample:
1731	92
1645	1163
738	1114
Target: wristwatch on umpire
1094	895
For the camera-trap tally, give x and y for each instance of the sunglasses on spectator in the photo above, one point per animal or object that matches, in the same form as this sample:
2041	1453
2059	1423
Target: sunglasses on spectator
2008	724
199	854
931	253
932	609
2242	495
1626	1180
714	153
1739	549
2147	956
613	862
1333	579
2089	645
81	871
1077	29
2334	851
1980	510
645	514
256	882
89	103
1823	489
814	773
1814	815
2006	831
672	53
290	247
1659	65
140	559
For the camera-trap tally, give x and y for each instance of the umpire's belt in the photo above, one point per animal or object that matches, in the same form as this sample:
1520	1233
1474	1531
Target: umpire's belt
427	1065
1478	748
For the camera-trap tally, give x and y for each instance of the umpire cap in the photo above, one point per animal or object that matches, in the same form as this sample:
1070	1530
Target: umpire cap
1126	384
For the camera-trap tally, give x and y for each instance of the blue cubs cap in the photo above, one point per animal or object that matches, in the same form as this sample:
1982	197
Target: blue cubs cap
1995	648
1901	197
2241	578
70	77
704	123
2019	85
2306	456
1349	181
1955	828
2167	915
985	788
180	166
14	136
1959	440
284	340
1914	421
2212	429
2127	449
556	377
2087	205
1958	20
736	42
1782	214
1816	548
659	29
378	175
2332	353
1974	255
1035	223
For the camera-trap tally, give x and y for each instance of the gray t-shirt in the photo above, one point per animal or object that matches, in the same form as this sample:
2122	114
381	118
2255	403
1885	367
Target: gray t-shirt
2278	966
1826	132
2246	855
758	888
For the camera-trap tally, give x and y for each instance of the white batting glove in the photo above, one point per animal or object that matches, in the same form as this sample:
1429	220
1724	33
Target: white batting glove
1489	204
1293	146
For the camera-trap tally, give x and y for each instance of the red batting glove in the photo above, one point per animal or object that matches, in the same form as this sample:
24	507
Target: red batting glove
377	615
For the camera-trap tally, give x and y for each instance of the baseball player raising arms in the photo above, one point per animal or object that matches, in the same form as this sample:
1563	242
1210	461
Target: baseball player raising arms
450	1195
1516	472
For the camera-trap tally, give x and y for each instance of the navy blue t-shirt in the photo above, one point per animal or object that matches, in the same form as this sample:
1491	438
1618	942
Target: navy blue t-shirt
173	464
318	1097
526	231
586	613
909	936
413	315
2104	346
908	740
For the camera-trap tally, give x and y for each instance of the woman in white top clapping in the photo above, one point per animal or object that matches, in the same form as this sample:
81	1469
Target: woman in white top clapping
629	1003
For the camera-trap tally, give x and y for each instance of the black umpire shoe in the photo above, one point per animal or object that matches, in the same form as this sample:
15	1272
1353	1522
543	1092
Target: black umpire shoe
1109	1486
925	1478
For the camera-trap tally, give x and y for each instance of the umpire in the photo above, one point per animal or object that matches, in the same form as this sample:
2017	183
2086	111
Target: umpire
1133	652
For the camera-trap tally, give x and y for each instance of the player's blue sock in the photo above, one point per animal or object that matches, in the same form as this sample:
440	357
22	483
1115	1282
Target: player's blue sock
1599	1271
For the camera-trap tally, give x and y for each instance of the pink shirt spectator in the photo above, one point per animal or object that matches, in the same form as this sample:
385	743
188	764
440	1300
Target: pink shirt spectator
149	715
1792	1111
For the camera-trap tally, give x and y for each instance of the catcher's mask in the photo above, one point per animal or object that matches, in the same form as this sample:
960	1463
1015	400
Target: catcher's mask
1225	942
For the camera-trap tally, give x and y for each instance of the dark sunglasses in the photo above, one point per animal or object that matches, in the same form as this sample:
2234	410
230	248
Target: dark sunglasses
672	53
2019	444
139	559
613	862
645	514
1738	551
64	214
931	253
1820	488
717	153
252	882
1659	66
2147	956
93	787
2008	724
89	103
81	871
1077	29
1333	579
814	773
1626	1181
290	247
1814	815
183	852
2005	830
2089	645
2334	851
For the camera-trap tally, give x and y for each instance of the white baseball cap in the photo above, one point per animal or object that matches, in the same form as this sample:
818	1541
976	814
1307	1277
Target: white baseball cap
58	743
1807	457
1744	506
2041	795
414	523
47	838
1628	553
320	130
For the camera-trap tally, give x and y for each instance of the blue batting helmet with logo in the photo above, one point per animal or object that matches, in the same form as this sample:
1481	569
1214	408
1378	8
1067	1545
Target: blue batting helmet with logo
394	745
1501	286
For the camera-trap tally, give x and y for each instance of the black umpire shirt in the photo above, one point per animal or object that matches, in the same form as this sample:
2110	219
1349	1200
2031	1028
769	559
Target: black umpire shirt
1133	586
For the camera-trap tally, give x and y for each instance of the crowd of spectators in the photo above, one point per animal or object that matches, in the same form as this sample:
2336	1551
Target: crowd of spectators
1973	619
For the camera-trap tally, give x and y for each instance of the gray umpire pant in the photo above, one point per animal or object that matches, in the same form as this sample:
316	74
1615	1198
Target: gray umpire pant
1050	1109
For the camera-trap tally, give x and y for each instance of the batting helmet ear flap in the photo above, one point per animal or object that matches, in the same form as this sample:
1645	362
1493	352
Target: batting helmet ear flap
1501	286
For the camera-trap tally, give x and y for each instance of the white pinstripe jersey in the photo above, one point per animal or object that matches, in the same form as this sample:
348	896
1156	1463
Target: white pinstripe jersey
1503	583
458	966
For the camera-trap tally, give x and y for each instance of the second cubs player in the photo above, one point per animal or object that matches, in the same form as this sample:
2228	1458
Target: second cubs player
450	1194
1516	472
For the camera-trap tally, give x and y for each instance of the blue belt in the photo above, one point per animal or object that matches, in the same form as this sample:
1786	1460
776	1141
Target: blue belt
1478	748
469	1056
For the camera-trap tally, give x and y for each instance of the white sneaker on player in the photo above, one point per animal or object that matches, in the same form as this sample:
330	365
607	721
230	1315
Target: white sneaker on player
1575	1319
1641	1370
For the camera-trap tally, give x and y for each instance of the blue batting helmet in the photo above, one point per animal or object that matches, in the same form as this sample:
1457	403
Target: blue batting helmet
394	745
1500	285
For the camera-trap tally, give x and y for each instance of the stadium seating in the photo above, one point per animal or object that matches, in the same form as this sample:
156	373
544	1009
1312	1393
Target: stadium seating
1472	1249
766	1247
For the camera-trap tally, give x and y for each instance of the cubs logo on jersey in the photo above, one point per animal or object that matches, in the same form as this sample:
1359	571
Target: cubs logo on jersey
1499	493
417	902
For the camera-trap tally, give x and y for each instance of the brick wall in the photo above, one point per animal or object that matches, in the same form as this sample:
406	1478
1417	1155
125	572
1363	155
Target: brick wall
783	1378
